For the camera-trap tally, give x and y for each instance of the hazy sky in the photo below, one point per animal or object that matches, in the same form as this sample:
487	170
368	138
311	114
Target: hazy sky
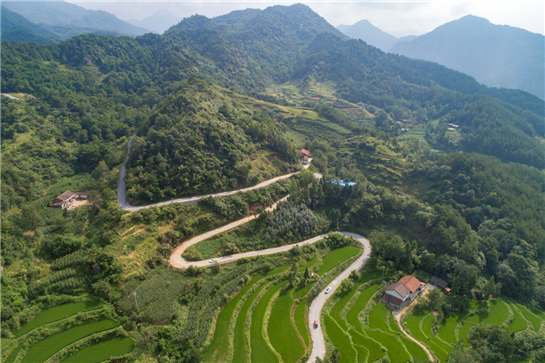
395	17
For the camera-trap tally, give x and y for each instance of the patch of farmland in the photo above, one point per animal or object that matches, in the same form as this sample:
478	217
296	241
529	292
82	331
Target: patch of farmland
498	313
102	351
361	302
261	352
396	350
462	333
426	326
374	349
218	349
377	317
518	323
57	313
45	348
531	317
336	310
447	329
337	256
414	327
340	340
240	348
282	334
300	321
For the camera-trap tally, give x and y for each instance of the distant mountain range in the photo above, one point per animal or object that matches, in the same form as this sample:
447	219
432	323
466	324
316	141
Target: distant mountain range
158	22
496	55
370	34
45	22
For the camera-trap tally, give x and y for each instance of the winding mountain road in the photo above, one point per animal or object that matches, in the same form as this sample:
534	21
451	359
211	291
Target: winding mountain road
122	189
177	261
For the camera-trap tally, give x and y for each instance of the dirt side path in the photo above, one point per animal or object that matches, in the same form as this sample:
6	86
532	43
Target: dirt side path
398	314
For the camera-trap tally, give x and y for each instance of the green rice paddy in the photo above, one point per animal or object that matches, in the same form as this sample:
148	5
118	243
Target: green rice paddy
260	349
45	348
282	334
518	323
102	351
335	257
361	302
300	321
57	313
340	340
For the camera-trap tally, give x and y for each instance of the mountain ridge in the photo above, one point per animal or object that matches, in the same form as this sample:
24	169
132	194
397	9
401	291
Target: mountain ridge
501	56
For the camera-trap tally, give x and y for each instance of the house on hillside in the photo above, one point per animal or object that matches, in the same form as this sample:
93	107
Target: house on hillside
403	292
305	155
67	198
436	281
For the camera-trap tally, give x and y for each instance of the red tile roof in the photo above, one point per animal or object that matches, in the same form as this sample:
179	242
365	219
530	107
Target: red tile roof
411	282
305	152
398	287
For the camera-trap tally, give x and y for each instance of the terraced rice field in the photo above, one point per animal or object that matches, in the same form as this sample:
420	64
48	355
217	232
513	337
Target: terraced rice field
336	310
300	322
396	350
373	348
45	348
282	333
102	351
240	350
518	323
240	347
337	256
361	302
219	348
498	313
414	322
340	340
534	320
447	329
260	349
377	317
57	313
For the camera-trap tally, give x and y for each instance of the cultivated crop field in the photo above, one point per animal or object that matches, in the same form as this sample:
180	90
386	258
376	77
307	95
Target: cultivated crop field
67	324
57	313
45	348
99	352
266	320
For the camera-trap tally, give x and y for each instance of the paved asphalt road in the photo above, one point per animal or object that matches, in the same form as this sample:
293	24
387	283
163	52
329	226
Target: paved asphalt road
122	192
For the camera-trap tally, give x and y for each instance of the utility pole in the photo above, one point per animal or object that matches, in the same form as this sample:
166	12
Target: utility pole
383	267
136	302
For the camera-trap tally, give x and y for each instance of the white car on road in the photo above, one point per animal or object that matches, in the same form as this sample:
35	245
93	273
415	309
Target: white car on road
213	260
328	290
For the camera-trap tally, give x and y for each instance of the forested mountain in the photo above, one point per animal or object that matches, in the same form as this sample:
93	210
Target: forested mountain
496	55
16	28
252	45
369	33
66	20
223	103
